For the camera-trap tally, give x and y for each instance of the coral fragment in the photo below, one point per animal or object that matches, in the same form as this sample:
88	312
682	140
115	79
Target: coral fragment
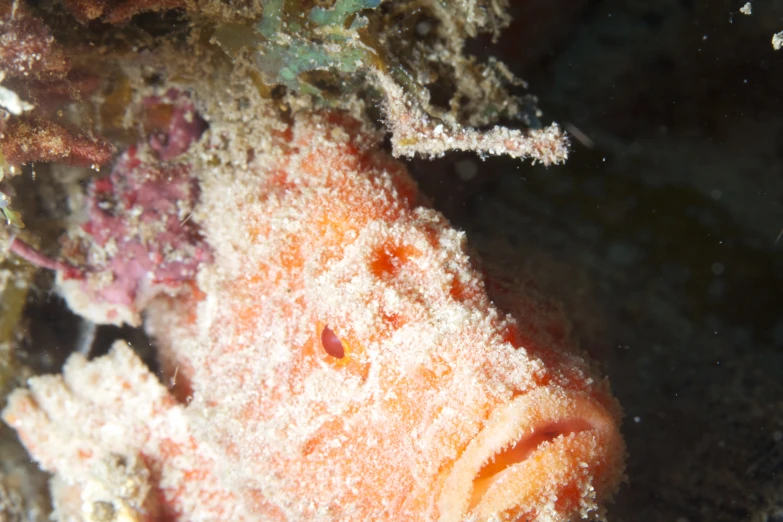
28	139
129	430
27	48
138	240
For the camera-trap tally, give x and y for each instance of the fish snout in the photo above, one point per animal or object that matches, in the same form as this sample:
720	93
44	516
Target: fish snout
549	455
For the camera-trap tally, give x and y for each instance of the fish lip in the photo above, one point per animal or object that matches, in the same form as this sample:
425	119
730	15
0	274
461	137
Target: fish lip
589	457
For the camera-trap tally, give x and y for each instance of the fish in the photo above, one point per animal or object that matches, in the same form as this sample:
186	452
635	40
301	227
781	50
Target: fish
339	357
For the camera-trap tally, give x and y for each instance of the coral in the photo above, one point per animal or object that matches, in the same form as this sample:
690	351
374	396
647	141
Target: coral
27	139
11	102
121	259
137	241
328	46
117	12
292	44
27	48
130	433
35	63
174	124
413	132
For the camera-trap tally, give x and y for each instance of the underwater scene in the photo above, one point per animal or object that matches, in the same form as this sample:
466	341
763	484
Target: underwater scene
352	260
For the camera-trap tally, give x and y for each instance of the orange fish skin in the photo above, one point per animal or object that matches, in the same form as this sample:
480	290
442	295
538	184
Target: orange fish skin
441	408
332	237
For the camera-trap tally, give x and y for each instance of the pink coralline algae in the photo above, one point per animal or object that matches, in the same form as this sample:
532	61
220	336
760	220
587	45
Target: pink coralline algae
138	240
175	124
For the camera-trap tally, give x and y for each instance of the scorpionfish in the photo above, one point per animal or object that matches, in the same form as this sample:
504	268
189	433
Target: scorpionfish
339	357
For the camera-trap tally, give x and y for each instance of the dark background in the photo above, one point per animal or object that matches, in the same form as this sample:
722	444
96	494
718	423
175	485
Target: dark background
659	235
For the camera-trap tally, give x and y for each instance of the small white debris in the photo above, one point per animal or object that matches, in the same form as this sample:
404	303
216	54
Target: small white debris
746	9
777	41
11	102
423	28
580	136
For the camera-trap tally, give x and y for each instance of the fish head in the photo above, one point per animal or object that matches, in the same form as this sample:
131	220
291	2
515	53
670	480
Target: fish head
373	376
483	418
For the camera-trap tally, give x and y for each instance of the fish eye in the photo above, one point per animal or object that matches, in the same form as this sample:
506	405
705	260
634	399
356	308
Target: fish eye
331	343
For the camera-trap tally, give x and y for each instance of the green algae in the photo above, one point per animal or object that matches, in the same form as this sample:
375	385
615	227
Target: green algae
14	284
417	43
406	57
11	216
291	41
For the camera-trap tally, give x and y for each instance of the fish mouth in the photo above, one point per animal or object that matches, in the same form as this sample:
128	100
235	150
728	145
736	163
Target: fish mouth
550	454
